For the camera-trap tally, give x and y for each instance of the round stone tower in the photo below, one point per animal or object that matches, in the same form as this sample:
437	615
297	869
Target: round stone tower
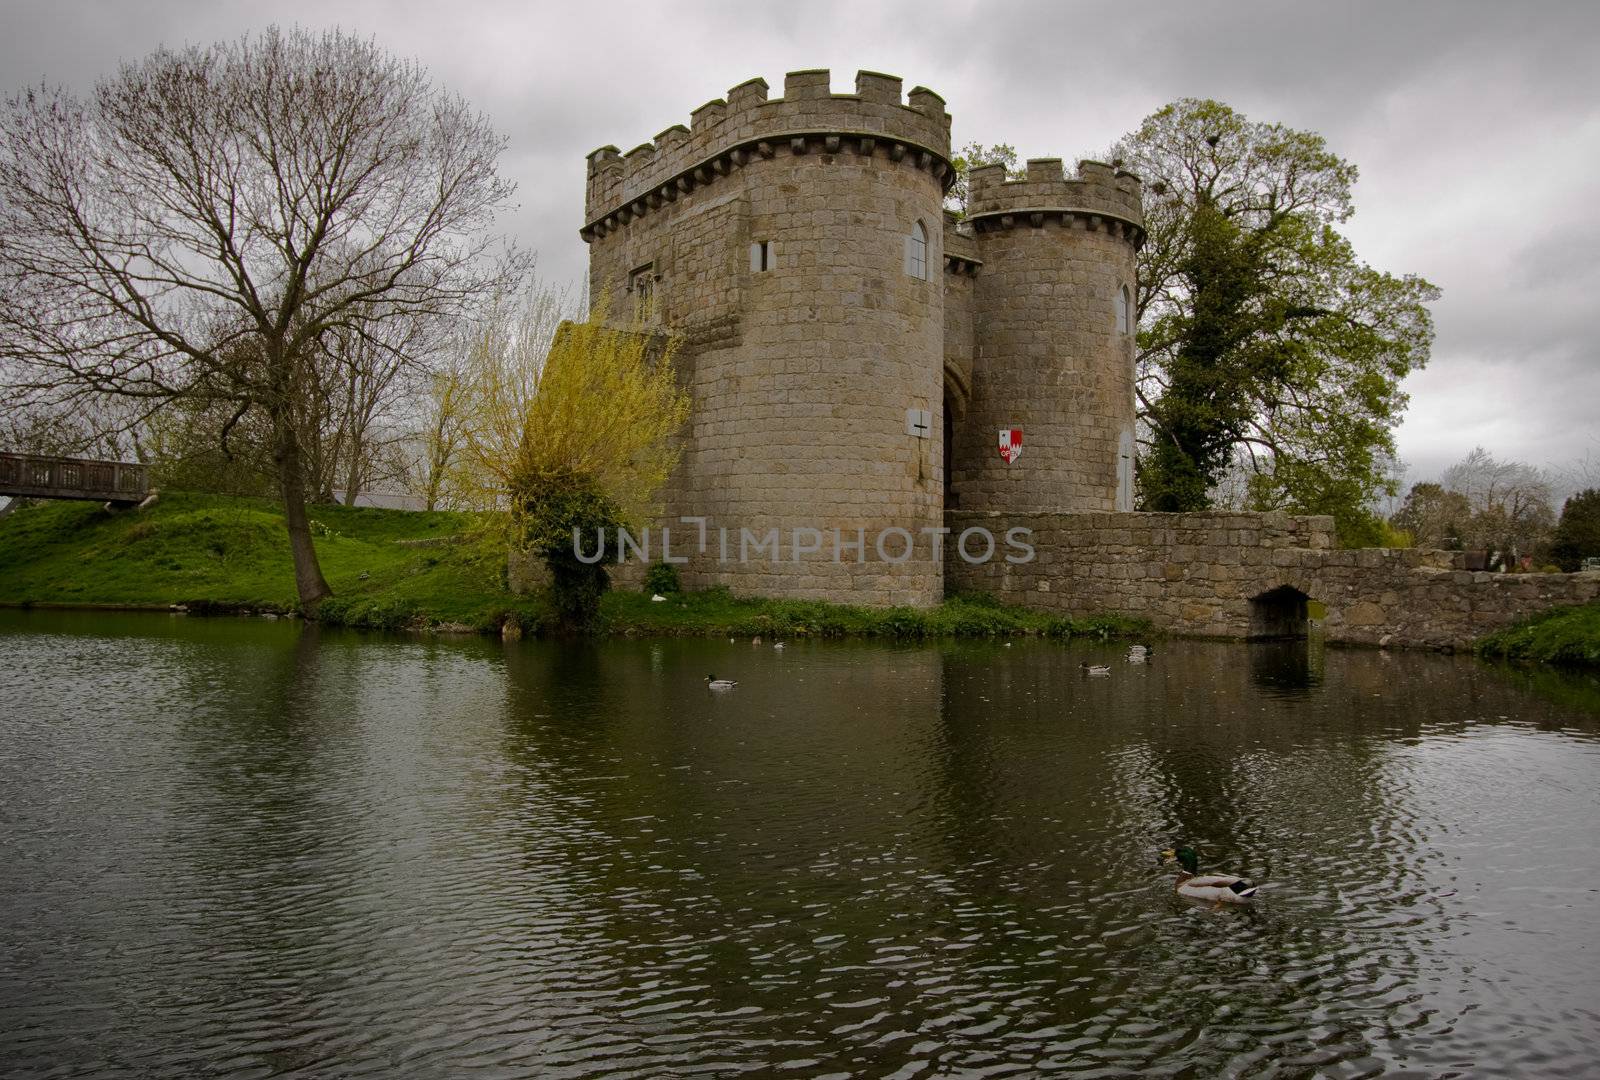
794	247
1052	339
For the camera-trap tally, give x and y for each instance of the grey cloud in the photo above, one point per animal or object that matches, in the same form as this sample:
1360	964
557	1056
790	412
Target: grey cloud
1473	123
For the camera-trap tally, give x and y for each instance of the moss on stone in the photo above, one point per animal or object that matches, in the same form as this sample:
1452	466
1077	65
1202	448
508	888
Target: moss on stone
1568	636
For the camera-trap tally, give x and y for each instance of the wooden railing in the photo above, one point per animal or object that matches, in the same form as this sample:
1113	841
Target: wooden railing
36	476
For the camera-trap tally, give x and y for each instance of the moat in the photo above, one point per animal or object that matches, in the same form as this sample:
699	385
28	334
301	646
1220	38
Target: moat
242	848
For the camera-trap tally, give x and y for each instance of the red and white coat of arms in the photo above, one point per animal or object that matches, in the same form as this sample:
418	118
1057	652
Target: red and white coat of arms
1011	444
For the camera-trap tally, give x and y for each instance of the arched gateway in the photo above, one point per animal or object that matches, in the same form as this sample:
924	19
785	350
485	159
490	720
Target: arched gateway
1279	614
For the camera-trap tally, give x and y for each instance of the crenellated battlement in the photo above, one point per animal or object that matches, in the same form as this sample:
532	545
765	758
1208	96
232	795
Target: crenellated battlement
1099	195
725	133
850	346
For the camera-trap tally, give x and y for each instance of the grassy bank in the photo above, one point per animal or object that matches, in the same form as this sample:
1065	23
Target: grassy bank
220	553
715	612
392	569
1568	636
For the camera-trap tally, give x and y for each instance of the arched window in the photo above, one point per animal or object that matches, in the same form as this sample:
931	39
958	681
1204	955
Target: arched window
641	283
917	252
1124	311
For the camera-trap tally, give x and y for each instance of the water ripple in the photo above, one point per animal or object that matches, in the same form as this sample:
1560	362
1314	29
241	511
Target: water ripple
243	850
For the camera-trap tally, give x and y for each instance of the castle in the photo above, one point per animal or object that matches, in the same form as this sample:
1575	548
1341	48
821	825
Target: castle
863	366
857	357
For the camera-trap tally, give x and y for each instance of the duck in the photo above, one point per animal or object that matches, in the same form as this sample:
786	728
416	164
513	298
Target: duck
1218	888
714	683
777	644
1138	654
1095	669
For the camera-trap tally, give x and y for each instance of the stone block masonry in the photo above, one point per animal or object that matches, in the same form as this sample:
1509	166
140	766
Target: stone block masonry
798	249
1224	574
770	237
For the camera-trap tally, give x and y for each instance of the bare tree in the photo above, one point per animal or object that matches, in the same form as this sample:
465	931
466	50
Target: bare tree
97	425
345	414
1580	475
442	440
476	405
207	219
1512	505
1489	483
351	411
371	374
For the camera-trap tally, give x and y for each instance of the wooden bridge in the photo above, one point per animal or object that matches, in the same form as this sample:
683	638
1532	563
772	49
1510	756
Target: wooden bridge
35	476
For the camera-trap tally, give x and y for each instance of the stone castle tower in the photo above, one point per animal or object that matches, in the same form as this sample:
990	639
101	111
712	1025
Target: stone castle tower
851	350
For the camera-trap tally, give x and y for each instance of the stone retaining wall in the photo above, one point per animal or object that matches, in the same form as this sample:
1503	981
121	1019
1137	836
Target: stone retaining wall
1199	574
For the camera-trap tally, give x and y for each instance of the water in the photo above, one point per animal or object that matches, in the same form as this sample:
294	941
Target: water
248	849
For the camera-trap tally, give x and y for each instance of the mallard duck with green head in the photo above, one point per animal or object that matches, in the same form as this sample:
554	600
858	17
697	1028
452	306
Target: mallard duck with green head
1218	888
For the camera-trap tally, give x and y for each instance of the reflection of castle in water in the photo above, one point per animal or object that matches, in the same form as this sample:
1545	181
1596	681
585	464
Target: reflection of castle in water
580	842
985	798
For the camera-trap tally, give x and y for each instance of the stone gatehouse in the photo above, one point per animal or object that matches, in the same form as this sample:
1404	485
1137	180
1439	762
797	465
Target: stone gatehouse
853	351
856	358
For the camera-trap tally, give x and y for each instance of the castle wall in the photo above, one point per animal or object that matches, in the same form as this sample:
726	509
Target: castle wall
801	371
723	132
961	267
1049	355
1198	573
800	374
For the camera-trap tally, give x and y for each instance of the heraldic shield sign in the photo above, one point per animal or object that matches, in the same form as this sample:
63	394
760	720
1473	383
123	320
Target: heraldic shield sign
1010	444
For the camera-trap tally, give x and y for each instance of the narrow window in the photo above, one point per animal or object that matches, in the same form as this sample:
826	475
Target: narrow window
1125	471
641	283
761	256
1124	311
917	252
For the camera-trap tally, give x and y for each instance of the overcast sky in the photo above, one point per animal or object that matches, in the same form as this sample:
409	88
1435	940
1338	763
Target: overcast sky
1476	127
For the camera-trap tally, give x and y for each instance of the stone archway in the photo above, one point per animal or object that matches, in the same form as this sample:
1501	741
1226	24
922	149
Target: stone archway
956	396
950	498
1280	614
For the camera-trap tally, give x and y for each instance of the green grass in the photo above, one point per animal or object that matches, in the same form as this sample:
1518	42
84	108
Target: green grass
715	611
1568	636
218	553
221	553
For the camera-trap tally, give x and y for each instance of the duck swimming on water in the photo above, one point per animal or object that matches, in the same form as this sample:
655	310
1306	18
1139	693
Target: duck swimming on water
714	683
1218	888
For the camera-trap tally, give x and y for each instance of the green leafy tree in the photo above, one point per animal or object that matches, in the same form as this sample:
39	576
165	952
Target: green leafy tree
197	445
555	508
1261	332
1433	515
572	425
1577	535
970	157
662	578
